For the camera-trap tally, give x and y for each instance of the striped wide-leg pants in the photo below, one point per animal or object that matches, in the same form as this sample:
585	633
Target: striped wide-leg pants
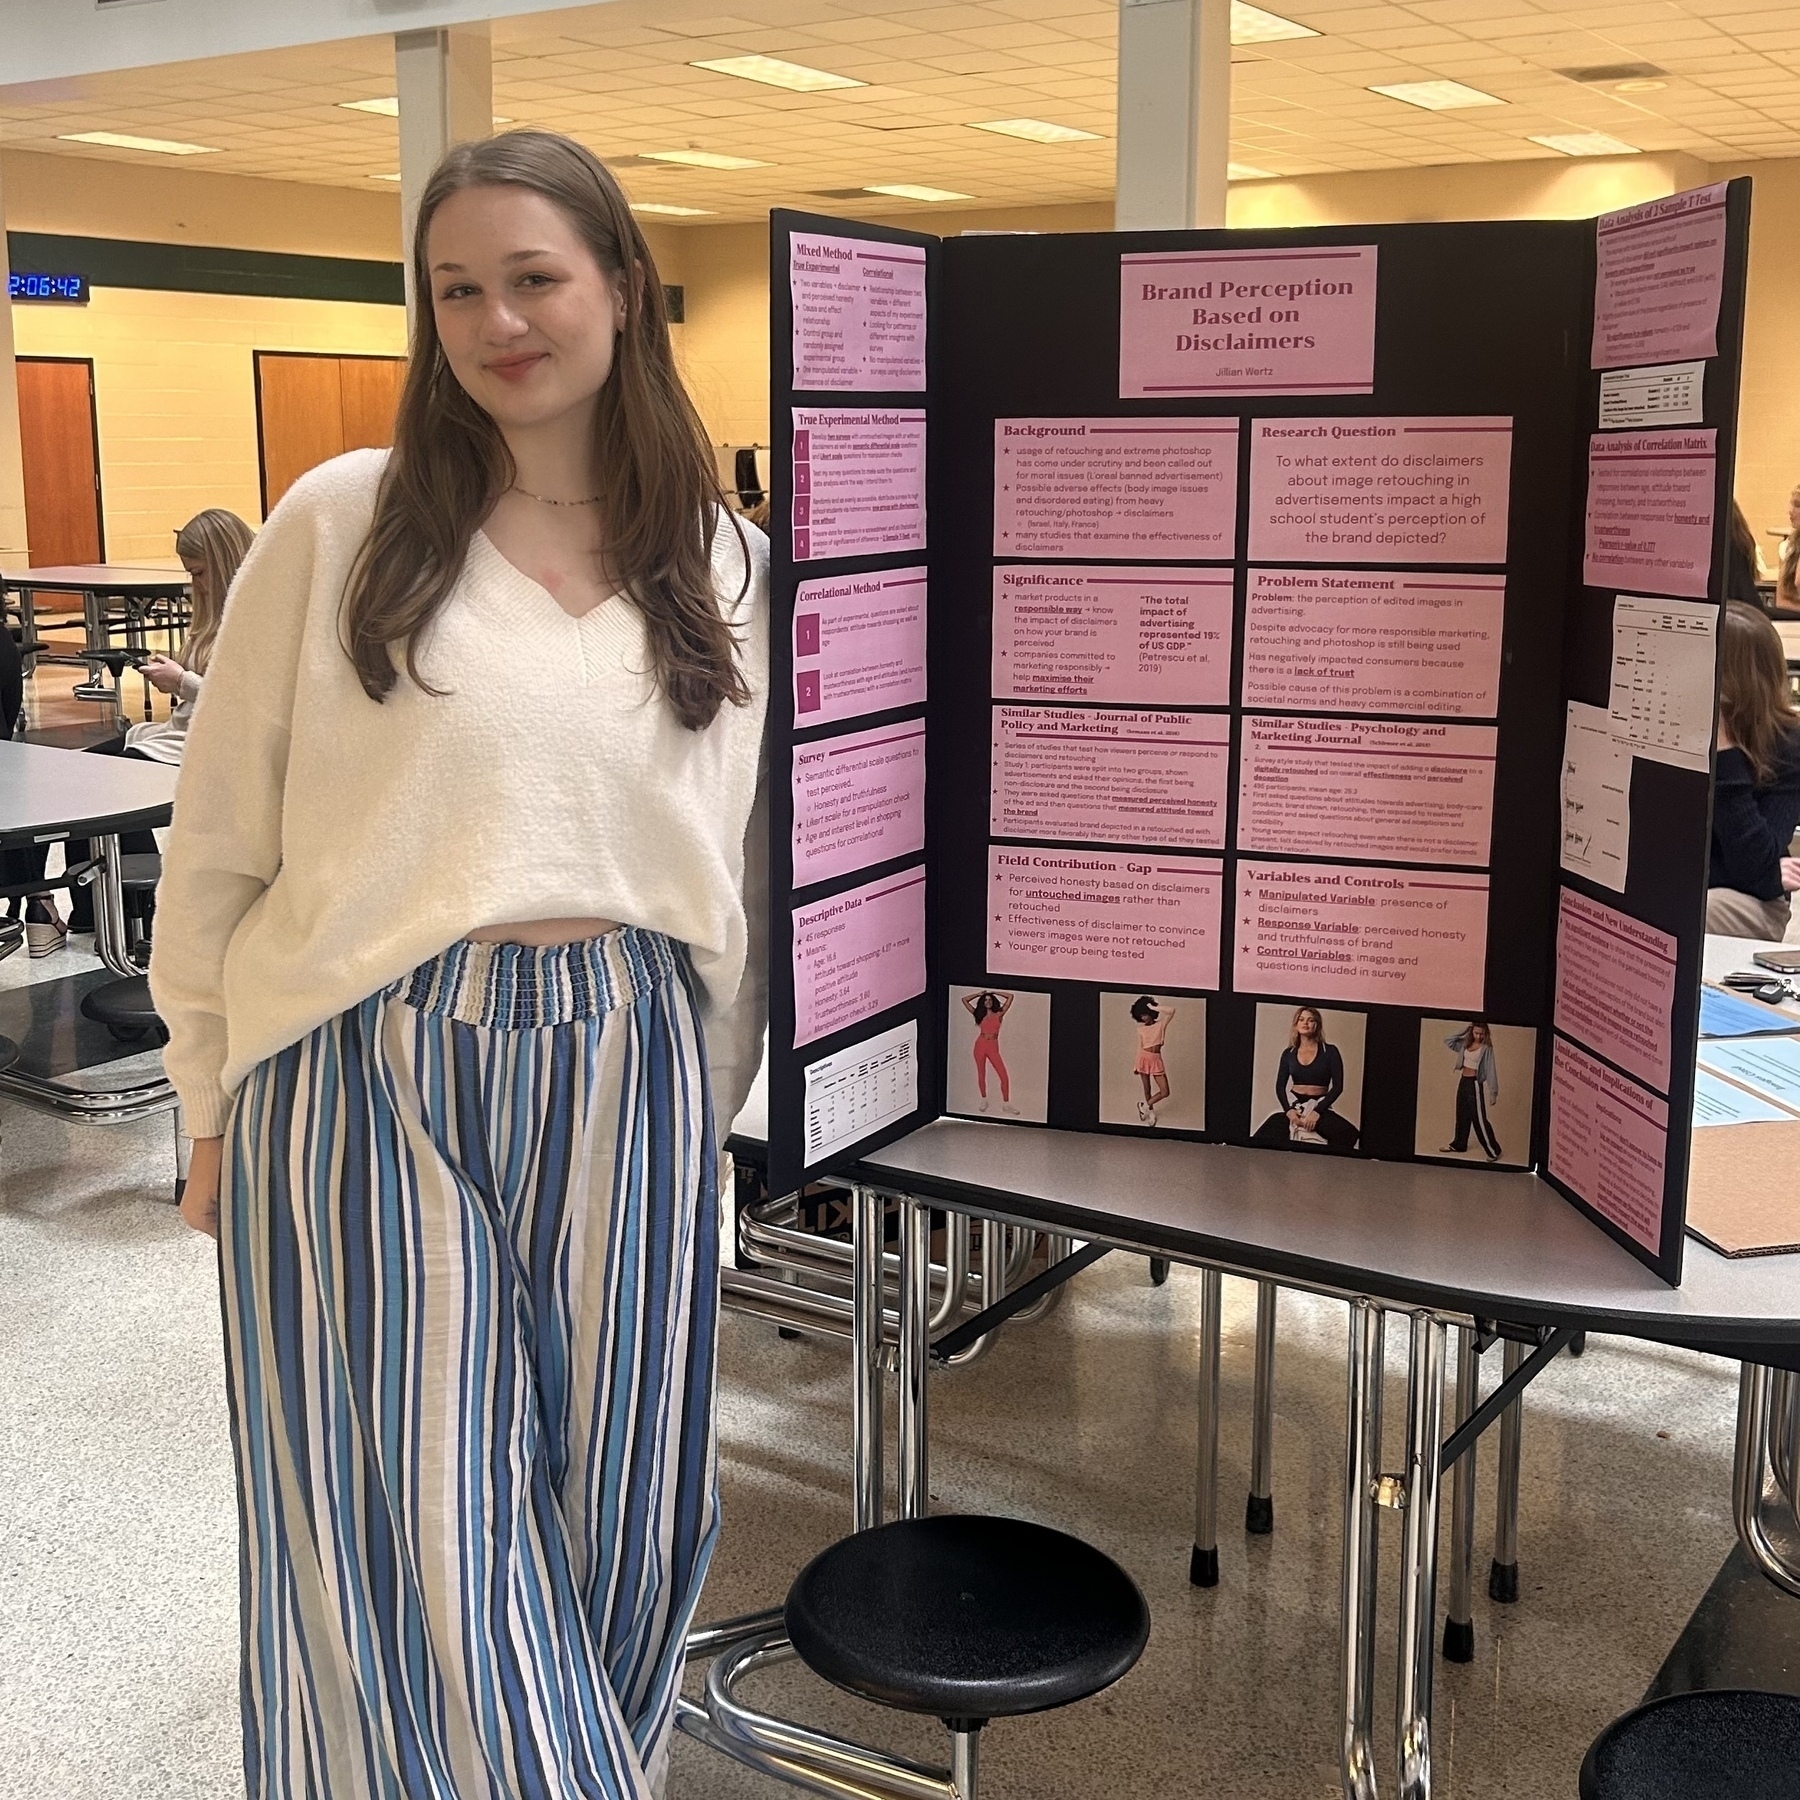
469	1242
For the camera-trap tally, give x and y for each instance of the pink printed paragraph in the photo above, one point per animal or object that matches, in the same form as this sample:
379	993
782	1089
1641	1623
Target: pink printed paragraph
1658	279
859	645
1110	777
1408	490
859	314
1135	636
1383	935
857	954
1609	1142
1247	321
1346	787
1115	487
1650	511
859	800
859	482
1149	920
1332	640
1615	986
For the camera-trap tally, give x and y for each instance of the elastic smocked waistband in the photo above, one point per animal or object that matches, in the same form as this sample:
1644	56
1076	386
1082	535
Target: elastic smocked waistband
518	987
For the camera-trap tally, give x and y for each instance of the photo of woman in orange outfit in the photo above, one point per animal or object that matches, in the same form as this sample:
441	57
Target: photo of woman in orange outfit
989	1009
1151	1016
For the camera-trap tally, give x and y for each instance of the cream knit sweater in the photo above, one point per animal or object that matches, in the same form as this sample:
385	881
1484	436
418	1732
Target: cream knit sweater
325	844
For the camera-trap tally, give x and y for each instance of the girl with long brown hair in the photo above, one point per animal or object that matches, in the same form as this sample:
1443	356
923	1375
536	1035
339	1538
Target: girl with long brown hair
1756	780
462	968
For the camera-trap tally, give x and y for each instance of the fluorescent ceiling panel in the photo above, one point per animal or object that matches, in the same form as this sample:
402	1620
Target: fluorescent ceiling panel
1251	25
704	159
118	140
772	71
1586	143
906	190
388	106
1437	96
1036	131
1244	172
672	212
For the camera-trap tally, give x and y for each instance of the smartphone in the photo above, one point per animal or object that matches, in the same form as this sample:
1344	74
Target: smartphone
1783	962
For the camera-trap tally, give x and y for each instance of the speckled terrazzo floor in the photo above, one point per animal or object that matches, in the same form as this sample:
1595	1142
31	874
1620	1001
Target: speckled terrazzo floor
118	1533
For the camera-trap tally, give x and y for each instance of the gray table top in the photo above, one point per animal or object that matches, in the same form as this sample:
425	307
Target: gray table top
46	793
104	578
1497	1243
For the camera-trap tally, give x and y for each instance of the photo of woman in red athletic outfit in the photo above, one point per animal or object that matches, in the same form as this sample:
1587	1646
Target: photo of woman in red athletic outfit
997	1065
989	1009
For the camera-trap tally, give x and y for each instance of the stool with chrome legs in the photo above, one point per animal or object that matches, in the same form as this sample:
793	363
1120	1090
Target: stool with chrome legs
1719	1744
964	1616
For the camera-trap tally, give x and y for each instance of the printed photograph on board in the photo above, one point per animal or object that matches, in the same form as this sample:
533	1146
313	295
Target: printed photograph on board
1307	1078
999	1060
1153	1061
1475	1084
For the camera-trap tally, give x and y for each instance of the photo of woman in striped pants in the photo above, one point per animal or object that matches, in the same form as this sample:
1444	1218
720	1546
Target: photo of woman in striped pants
461	954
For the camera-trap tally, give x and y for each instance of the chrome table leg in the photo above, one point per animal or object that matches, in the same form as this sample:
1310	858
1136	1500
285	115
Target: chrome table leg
1362	1467
915	1359
1459	1624
1203	1564
1749	1479
867	1216
1503	1577
1259	1509
1418	1556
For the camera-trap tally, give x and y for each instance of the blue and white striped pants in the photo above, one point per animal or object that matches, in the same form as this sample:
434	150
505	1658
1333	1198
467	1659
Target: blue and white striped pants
470	1254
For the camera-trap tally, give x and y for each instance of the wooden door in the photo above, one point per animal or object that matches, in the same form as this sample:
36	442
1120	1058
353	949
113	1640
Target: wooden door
62	460
312	408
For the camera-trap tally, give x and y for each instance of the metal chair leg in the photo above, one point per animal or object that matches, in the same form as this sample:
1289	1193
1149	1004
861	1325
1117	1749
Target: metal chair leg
1203	1564
1503	1577
1459	1622
964	1757
1259	1509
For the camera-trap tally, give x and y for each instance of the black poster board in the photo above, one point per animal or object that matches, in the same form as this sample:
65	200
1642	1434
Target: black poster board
1481	338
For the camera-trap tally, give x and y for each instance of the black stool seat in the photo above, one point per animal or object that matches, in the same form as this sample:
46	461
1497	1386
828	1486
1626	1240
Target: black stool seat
9	1053
143	870
115	662
967	1617
1732	1744
124	1002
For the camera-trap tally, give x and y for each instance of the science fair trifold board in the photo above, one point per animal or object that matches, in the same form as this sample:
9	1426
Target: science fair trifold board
1255	686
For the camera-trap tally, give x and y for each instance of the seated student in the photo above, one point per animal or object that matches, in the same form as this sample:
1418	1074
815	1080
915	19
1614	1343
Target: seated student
1308	1079
1756	787
1740	560
211	545
1787	592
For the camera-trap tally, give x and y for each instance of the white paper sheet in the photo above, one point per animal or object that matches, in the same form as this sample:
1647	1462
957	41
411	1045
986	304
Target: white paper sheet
1662	679
1596	798
852	1093
1664	394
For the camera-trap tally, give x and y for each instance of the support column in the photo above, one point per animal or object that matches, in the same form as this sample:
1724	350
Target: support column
445	82
13	548
1174	133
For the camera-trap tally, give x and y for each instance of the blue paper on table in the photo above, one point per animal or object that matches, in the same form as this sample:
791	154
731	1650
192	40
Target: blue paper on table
1724	1015
1718	1102
1771	1068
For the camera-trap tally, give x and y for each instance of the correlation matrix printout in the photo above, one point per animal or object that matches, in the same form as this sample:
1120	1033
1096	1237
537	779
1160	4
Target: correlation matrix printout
1223	702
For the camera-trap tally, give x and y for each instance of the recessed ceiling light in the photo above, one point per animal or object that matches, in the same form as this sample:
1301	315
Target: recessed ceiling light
1586	143
1244	172
673	212
1251	25
502	119
1640	85
388	107
704	159
1437	96
907	190
1035	131
771	71
118	140
384	177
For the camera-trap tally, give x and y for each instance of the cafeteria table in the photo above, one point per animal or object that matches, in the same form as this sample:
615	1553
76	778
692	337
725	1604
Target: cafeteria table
1398	1238
48	796
137	588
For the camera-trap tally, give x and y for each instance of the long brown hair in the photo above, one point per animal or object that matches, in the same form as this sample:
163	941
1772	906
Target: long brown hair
218	541
1320	1041
1755	700
658	486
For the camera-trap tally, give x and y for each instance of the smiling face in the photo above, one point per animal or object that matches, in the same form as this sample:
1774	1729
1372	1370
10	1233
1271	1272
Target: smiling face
526	316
